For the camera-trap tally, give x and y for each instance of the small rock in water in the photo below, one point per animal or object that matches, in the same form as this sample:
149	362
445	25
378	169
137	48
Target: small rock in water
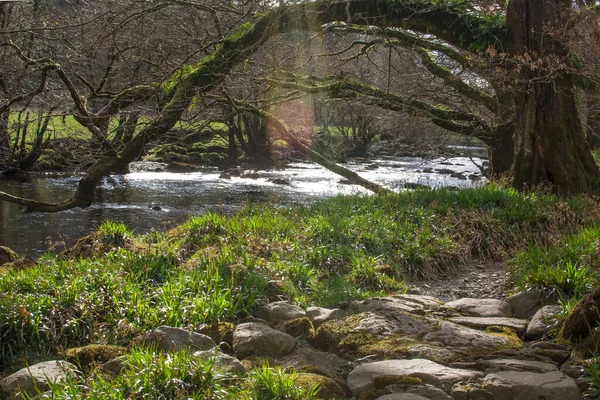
252	175
154	207
280	181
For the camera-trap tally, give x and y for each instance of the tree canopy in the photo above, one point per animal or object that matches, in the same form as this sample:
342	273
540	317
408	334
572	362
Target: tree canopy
510	73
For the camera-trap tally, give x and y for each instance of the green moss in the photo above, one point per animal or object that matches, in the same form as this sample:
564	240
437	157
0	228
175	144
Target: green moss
514	342
327	388
299	328
92	355
382	381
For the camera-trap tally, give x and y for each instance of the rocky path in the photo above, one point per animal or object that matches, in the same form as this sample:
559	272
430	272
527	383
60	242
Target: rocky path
476	279
403	347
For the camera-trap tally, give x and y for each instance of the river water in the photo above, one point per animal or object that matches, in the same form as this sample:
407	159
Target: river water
129	198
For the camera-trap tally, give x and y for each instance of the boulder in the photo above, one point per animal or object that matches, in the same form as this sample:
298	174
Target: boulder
412	303
253	338
35	379
529	385
167	338
403	396
541	322
404	335
307	359
279	311
180	167
507	364
480	307
517	325
427	391
319	315
221	361
362	378
526	303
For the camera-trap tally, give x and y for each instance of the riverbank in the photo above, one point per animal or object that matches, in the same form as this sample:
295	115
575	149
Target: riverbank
145	199
113	287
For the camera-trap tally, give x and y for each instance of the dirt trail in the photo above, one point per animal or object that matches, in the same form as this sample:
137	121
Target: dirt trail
476	279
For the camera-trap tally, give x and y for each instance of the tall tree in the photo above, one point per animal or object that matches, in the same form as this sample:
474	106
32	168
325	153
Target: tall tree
549	145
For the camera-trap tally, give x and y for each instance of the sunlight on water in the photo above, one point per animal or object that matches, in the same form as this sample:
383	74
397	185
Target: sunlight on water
147	200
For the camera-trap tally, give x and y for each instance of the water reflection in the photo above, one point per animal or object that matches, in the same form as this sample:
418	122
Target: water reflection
130	198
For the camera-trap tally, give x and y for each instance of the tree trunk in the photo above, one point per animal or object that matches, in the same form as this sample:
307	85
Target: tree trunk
549	141
500	148
5	151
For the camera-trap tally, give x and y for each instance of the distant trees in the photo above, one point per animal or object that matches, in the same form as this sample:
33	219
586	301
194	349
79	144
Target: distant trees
501	73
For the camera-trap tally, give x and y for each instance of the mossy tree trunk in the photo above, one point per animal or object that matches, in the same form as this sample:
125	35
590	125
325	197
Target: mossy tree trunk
549	141
5	152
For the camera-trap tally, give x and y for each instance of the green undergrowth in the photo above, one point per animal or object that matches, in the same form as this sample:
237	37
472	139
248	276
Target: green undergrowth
179	375
215	267
570	266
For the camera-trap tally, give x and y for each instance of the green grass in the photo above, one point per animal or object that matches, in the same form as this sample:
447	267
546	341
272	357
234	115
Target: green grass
179	375
215	267
570	267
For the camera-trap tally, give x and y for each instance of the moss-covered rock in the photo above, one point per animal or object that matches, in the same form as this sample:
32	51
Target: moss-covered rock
89	356
327	387
582	320
7	255
298	328
381	382
253	362
403	335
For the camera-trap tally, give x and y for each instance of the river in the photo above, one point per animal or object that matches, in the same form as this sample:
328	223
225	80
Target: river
129	198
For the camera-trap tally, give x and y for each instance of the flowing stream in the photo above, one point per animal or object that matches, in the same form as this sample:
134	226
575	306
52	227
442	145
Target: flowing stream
161	200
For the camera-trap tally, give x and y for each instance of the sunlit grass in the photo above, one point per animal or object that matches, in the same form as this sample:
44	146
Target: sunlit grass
215	267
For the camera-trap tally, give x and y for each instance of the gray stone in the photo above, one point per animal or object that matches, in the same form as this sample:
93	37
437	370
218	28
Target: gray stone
541	322
221	361
428	391
386	324
167	338
574	371
114	366
402	396
453	335
507	364
279	311
319	315
527	303
411	303
518	325
35	379
529	385
362	377
412	336
480	307
305	358
256	338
